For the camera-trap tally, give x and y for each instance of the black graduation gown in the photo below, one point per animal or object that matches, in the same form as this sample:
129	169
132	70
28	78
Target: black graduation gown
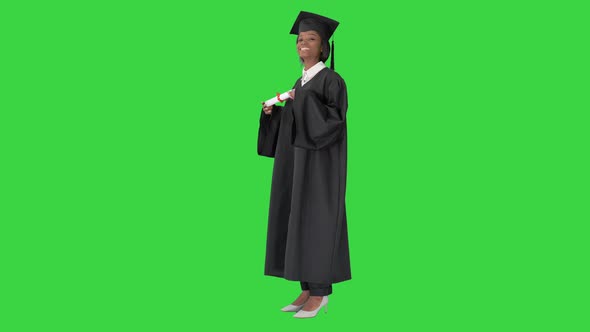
307	237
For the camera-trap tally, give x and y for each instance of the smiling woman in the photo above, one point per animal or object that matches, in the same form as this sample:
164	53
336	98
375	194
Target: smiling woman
307	239
309	48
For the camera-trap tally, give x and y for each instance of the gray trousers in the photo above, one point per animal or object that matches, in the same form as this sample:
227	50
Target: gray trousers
316	289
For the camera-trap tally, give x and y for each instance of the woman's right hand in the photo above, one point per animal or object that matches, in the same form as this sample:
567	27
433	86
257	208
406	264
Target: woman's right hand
266	109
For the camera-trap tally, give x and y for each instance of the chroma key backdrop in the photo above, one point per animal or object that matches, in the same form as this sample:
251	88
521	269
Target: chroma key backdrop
133	199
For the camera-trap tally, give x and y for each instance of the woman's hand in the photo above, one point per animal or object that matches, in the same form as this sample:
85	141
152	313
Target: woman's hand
266	109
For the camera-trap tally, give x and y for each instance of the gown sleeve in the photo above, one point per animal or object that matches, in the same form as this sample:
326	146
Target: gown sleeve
318	123
268	132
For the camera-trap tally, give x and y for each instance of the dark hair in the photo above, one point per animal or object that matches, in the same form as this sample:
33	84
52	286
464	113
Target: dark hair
325	51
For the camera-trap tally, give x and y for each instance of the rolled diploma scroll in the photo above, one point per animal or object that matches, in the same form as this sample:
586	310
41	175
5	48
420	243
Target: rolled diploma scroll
278	98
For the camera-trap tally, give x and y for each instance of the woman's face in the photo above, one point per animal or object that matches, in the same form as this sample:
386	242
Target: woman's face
309	45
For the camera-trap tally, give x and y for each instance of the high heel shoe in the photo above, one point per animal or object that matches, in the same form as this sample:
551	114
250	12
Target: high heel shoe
310	314
292	308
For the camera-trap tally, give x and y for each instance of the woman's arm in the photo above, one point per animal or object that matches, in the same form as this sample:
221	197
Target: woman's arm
318	125
268	131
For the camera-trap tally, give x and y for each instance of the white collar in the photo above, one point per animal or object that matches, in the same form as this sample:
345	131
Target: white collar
307	75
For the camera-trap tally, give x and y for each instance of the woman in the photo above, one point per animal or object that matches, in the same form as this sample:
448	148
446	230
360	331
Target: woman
307	238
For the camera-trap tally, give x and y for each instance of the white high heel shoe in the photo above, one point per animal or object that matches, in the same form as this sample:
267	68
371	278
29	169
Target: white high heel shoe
292	308
310	314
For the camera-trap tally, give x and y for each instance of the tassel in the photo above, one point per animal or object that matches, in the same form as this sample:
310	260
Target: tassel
332	56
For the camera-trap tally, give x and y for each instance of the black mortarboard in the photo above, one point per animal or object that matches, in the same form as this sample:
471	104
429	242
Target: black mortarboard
324	26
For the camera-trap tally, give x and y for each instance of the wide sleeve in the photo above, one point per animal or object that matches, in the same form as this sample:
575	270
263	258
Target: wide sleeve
319	122
268	132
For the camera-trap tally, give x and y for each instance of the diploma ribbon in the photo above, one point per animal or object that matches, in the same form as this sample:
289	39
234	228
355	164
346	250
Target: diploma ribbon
279	97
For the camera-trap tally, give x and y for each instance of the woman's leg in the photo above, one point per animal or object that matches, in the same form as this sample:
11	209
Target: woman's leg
317	292
304	294
316	289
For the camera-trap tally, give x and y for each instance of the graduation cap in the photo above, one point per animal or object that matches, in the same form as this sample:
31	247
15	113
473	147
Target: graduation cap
324	26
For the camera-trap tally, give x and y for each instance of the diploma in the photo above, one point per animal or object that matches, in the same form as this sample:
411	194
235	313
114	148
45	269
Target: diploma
278	98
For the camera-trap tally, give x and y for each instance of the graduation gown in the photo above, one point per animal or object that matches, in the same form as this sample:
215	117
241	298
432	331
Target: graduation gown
307	237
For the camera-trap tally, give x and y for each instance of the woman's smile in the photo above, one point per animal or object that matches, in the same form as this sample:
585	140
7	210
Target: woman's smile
309	46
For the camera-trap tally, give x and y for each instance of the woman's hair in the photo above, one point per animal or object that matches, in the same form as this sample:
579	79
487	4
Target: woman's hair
325	51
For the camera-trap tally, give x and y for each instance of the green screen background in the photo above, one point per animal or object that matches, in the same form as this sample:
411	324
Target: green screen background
133	198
